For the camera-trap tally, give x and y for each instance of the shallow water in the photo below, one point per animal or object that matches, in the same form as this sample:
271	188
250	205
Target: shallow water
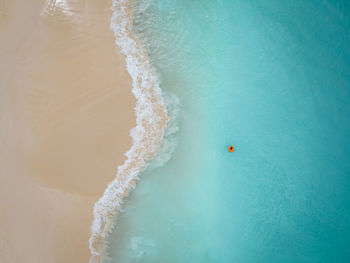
272	79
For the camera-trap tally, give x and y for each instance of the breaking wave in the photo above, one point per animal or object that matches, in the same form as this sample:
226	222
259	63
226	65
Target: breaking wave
153	123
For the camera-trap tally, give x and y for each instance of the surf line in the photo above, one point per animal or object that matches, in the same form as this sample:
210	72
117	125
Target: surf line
151	120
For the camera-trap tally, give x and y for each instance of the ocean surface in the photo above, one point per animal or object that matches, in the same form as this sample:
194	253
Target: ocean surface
271	78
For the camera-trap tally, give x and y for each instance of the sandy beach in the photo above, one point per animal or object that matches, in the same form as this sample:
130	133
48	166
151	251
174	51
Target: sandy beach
66	109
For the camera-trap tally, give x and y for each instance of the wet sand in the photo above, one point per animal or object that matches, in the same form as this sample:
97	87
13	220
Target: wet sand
66	109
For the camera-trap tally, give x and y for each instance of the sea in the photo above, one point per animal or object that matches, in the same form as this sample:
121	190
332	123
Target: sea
272	79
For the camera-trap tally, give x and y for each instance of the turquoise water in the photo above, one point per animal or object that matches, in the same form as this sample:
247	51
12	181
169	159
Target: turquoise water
271	78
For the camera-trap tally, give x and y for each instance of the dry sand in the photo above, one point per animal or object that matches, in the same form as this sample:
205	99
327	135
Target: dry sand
66	109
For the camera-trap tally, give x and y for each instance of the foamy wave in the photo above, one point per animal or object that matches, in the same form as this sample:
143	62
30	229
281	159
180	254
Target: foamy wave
151	121
169	141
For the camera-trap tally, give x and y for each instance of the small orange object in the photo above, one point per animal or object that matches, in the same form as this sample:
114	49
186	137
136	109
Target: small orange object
231	149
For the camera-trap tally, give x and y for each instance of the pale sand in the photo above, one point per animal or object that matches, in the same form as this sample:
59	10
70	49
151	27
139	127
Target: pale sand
66	109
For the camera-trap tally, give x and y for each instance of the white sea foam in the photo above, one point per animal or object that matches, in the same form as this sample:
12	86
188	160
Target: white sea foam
152	124
169	141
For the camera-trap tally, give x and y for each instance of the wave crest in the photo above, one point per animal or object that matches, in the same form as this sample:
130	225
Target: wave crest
151	121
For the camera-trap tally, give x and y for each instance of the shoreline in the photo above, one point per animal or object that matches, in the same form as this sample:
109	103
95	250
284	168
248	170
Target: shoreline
65	114
151	121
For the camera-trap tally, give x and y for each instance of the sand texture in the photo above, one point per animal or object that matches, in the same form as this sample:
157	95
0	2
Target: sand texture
66	109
